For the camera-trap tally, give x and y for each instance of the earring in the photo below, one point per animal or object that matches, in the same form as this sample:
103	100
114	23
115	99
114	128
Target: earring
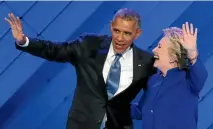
172	61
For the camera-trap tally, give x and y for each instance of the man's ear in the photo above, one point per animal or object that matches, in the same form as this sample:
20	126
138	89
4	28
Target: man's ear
138	33
111	25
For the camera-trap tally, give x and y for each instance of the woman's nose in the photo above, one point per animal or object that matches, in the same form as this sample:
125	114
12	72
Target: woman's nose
154	50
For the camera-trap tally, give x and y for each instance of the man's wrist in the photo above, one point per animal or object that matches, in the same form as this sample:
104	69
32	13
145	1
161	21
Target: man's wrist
22	42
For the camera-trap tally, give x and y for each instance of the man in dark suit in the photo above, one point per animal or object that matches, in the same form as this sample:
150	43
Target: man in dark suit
111	70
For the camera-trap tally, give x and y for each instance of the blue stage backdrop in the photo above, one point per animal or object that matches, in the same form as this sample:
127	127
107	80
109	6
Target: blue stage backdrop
37	94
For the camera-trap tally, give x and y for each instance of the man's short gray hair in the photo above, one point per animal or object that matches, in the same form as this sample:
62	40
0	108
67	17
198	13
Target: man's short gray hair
174	36
129	15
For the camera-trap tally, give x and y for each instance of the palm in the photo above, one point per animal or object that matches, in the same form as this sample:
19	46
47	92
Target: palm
189	37
16	27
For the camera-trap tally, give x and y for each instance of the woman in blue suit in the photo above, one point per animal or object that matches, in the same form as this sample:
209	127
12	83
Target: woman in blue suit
171	98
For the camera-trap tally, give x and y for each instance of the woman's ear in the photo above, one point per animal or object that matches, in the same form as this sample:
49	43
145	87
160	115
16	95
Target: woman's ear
173	60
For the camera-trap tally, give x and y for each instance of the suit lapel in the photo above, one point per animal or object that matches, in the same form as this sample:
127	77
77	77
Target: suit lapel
138	65
102	52
100	59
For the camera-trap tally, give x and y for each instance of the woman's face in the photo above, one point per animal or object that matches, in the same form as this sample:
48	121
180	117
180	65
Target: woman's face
161	54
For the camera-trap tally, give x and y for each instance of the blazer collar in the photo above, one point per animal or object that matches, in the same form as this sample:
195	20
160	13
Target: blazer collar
137	63
103	51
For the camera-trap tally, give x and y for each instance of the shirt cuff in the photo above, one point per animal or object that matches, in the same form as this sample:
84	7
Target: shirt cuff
26	44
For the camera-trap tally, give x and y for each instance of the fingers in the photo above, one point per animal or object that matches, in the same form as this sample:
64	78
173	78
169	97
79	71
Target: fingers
10	22
15	22
19	21
191	29
11	18
195	34
14	19
187	28
184	29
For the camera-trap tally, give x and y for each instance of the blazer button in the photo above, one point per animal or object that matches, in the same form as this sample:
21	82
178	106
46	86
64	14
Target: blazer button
98	121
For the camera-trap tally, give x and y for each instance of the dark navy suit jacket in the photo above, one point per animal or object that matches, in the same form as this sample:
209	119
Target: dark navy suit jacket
171	102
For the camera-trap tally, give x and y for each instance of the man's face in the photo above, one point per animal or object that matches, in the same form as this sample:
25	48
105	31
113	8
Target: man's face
123	34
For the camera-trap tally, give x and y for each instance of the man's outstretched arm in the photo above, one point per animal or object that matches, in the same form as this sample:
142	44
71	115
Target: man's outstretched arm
60	52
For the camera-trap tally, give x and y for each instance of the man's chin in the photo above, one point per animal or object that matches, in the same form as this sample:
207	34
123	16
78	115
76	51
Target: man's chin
119	50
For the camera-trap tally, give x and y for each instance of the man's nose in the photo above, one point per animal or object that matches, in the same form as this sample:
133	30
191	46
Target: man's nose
121	37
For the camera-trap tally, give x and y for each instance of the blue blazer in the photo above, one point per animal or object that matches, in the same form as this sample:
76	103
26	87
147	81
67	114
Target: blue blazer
171	102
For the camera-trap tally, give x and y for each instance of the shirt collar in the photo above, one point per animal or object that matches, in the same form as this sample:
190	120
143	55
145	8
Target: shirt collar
170	72
125	54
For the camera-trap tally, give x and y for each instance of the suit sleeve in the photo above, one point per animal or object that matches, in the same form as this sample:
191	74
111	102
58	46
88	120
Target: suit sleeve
197	76
52	51
136	107
136	111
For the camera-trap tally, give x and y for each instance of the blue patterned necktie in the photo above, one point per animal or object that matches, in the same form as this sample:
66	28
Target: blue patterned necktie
113	78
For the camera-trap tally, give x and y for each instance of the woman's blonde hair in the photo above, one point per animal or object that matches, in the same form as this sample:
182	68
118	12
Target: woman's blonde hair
174	36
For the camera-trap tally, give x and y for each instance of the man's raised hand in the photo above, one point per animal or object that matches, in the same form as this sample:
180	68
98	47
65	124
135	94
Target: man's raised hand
16	27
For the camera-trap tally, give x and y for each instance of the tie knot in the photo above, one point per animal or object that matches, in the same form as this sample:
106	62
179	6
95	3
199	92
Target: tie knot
117	56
